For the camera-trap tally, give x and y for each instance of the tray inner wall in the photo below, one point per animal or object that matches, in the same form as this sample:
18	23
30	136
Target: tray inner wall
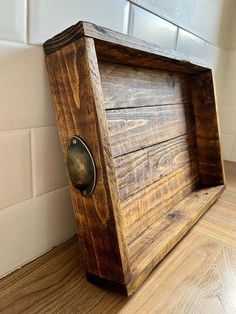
153	141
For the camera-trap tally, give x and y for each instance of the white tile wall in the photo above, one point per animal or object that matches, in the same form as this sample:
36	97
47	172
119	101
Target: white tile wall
219	85
150	27
25	98
15	168
35	212
230	95
13	15
208	19
232	30
48	17
33	227
191	44
231	65
216	58
227	145
48	165
232	155
227	120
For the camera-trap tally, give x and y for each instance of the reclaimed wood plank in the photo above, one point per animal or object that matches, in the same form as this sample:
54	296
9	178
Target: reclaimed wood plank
149	249
125	86
145	207
139	169
112	45
136	128
209	150
75	81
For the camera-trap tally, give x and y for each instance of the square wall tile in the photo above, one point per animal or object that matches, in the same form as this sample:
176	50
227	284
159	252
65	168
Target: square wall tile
15	168
230	72
216	57
29	229
13	20
232	156
230	95
49	171
191	44
149	27
24	88
200	17
226	145
47	18
227	121
219	87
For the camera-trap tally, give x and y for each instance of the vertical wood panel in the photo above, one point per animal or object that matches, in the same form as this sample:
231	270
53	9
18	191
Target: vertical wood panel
75	89
209	152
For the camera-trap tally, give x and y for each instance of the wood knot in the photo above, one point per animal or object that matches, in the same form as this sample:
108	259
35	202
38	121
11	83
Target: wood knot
174	216
100	29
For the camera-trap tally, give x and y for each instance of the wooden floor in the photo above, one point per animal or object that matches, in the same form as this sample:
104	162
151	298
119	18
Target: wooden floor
198	276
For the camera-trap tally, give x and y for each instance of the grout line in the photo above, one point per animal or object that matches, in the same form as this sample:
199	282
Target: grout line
27	21
29	128
130	19
173	23
177	38
126	18
32	198
32	165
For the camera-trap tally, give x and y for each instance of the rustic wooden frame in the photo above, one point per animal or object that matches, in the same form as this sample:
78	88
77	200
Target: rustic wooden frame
72	62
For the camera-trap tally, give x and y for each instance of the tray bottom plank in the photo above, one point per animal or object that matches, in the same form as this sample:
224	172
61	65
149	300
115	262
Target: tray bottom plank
150	248
146	251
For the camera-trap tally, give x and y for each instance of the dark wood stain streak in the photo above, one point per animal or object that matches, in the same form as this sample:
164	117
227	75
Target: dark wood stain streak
141	168
125	86
88	211
132	129
145	207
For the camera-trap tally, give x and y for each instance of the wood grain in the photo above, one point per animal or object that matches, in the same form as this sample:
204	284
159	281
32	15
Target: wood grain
144	208
139	169
136	128
125	86
149	118
115	46
149	249
72	86
209	151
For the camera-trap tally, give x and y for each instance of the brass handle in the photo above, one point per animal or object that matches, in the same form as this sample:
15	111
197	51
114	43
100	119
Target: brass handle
81	166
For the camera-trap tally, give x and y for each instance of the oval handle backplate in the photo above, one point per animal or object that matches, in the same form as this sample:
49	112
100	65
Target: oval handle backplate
81	166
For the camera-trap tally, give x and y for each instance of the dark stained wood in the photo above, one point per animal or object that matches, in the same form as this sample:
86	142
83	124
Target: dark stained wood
120	54
107	42
209	152
101	244
149	119
142	209
135	128
125	86
141	168
166	232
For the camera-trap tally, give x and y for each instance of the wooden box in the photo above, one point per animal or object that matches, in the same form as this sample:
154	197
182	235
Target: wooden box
148	118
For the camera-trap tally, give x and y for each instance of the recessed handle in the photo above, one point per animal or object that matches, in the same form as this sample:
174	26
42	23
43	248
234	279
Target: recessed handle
81	166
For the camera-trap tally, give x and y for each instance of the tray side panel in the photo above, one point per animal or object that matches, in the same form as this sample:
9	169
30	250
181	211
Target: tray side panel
211	170
77	98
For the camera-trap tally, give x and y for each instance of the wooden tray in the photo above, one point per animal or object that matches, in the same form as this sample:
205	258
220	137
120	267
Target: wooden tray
148	117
